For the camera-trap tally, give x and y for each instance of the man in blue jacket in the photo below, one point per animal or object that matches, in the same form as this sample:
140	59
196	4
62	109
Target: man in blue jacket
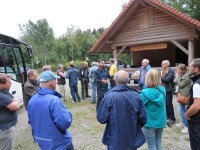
48	116
124	113
72	75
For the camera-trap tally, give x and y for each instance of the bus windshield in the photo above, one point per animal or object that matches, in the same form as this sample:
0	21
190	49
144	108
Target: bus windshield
13	54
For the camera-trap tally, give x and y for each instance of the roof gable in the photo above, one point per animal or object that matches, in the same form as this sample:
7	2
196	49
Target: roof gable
131	6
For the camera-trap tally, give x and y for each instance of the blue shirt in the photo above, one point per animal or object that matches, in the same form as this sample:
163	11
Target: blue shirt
7	118
93	73
102	74
72	75
143	72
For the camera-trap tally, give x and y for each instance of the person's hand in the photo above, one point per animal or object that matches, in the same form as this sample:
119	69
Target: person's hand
104	81
187	117
15	99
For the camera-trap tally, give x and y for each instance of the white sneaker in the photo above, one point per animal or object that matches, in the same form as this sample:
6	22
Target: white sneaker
185	130
179	125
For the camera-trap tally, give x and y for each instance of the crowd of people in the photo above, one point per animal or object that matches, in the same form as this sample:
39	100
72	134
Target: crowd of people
131	117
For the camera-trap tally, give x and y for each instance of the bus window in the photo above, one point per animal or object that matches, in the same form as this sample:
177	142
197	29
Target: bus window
8	63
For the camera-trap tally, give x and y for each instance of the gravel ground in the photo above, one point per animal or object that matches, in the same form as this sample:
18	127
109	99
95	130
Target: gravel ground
87	132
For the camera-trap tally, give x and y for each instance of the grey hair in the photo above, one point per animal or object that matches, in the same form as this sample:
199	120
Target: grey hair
146	61
45	84
31	72
60	66
166	62
94	64
121	77
196	63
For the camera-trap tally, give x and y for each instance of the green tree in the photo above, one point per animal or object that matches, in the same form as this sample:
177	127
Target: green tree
41	37
190	7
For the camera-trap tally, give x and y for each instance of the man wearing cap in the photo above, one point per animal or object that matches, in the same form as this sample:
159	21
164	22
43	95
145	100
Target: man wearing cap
48	116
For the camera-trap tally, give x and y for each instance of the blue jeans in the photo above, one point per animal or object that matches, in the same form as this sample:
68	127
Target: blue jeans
153	137
194	130
182	111
74	92
94	91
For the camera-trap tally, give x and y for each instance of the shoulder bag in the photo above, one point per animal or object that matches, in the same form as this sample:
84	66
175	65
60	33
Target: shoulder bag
182	99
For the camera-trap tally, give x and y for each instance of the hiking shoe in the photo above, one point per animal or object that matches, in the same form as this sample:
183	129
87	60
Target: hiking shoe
185	130
179	125
170	123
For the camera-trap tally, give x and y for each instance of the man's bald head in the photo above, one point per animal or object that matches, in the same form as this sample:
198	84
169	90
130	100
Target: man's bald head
121	77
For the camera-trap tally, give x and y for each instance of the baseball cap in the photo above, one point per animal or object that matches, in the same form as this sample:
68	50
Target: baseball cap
48	76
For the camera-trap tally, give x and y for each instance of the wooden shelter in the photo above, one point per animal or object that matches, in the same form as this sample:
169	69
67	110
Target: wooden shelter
153	30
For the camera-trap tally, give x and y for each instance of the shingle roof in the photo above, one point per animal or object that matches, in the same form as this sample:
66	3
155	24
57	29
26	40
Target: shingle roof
158	4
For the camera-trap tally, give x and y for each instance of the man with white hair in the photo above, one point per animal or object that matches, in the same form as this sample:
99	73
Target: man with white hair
124	113
143	70
167	78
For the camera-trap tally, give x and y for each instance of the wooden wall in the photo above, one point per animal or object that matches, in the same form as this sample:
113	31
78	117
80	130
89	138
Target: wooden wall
155	56
165	28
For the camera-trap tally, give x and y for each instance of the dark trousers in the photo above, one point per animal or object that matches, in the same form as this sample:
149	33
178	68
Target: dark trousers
74	92
100	96
169	107
194	134
84	88
112	83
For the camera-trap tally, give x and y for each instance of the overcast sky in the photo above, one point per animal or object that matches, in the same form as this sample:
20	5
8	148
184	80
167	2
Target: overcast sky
60	14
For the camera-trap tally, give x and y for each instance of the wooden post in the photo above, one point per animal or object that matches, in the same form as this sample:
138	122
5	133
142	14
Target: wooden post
115	56
191	50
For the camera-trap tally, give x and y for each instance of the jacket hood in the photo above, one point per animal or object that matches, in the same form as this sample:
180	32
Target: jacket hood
44	91
155	95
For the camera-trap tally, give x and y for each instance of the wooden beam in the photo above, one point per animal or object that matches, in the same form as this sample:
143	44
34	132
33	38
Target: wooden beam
149	47
180	47
109	42
123	48
142	3
191	50
155	39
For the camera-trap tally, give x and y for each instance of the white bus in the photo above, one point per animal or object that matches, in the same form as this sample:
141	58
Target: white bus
12	62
